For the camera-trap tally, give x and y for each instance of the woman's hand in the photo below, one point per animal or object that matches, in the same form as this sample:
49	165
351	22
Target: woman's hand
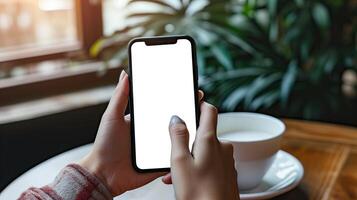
110	158
208	173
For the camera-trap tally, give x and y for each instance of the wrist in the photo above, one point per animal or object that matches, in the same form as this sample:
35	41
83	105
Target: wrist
94	168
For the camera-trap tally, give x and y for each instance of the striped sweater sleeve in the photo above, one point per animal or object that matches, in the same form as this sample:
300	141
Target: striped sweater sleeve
72	183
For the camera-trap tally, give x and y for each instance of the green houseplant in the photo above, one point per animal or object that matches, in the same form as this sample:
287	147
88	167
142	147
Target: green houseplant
277	56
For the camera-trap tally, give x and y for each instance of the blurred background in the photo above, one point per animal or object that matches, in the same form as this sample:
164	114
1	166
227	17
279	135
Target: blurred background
60	61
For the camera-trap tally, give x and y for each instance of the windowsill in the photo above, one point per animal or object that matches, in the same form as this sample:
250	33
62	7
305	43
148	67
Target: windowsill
63	72
37	86
36	95
55	104
28	52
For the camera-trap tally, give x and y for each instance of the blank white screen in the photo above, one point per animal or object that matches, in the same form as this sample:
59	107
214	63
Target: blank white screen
162	78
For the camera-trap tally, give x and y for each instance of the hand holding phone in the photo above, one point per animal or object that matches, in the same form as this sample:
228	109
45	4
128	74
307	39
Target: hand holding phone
110	158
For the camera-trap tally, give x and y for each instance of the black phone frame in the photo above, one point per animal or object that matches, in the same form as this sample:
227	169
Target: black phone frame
159	40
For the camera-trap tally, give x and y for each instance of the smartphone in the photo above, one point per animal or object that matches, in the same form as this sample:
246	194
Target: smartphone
163	82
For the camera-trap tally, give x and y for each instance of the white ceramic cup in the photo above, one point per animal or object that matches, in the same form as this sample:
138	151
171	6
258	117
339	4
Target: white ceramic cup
255	139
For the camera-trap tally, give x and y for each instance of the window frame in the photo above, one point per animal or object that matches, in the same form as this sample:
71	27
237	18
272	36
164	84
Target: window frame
89	29
15	91
92	73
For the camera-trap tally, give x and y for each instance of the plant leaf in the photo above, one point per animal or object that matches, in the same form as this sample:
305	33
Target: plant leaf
232	101
258	85
222	55
321	15
265	100
231	37
238	73
288	82
330	61
273	31
272	7
96	48
299	3
158	2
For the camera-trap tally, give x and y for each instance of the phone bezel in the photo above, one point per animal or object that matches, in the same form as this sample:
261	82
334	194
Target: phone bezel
159	40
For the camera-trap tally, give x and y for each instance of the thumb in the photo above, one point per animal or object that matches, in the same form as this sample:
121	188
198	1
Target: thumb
179	139
119	100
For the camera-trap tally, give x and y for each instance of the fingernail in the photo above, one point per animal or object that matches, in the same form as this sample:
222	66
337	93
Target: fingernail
176	120
122	75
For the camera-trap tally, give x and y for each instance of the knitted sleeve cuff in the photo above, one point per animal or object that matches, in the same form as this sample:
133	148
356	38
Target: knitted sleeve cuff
73	182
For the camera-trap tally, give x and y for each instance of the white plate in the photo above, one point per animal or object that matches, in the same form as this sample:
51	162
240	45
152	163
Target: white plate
285	174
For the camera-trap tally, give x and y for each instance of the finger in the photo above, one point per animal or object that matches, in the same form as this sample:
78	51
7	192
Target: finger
208	122
119	100
167	179
201	94
179	139
230	164
228	156
227	151
206	140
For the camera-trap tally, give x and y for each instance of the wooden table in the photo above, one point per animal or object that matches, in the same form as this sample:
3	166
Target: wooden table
328	153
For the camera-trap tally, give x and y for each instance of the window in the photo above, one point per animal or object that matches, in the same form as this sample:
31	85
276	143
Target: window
35	30
35	27
38	41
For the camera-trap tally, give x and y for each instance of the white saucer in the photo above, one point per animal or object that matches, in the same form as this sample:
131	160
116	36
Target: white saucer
285	174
